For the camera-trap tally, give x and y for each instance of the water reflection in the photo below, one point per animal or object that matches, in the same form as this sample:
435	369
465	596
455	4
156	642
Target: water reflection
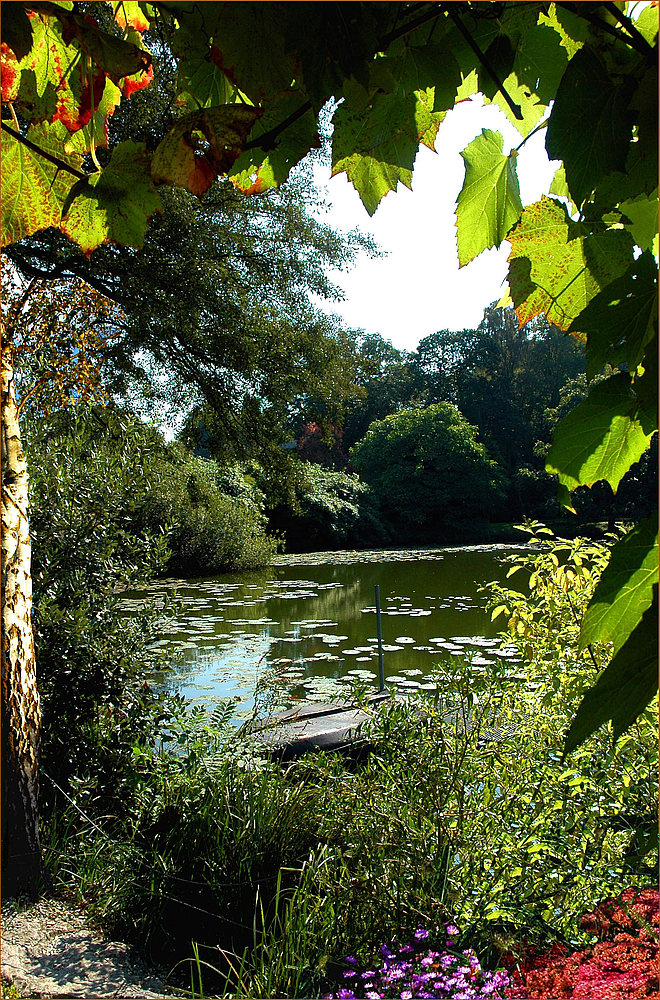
306	630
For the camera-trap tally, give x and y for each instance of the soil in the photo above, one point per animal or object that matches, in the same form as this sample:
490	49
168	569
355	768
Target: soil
50	949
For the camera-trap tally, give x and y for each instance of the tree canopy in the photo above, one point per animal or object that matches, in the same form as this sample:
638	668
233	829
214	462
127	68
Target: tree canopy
252	80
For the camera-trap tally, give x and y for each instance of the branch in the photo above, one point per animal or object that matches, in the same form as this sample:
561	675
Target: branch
515	108
267	140
60	164
635	41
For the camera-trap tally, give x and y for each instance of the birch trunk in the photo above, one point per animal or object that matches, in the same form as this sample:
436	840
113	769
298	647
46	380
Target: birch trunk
21	711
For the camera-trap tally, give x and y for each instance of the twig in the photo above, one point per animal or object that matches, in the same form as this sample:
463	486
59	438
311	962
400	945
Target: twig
515	108
635	41
60	164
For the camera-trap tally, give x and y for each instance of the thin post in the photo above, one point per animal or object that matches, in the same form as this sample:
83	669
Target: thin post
379	633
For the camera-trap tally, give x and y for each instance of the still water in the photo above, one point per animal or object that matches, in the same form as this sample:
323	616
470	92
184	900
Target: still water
305	628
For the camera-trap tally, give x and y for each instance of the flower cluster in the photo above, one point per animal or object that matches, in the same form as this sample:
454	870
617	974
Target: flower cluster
626	965
414	970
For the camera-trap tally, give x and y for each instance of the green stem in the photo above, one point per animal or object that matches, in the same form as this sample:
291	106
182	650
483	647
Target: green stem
537	128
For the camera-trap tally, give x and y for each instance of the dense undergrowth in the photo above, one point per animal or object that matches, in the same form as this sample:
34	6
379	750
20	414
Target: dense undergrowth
257	878
269	875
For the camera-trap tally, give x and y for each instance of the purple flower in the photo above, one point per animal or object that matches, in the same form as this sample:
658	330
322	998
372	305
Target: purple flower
373	996
346	995
406	995
368	974
451	930
351	960
421	934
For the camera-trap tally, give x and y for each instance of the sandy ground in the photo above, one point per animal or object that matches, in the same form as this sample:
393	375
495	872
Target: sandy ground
49	949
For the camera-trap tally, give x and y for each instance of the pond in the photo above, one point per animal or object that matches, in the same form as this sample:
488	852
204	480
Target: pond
305	627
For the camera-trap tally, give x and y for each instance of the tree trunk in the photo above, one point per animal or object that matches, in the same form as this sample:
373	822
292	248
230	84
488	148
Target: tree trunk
21	710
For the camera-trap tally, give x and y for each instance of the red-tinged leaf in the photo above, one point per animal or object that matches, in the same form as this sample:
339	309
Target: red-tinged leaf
81	140
142	79
117	57
114	205
50	75
202	146
555	269
129	14
33	189
10	74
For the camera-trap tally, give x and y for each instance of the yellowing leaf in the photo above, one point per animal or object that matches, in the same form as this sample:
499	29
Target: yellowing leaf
554	269
202	146
489	203
33	189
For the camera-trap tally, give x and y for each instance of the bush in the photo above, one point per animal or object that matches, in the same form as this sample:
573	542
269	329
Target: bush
329	510
215	515
428	471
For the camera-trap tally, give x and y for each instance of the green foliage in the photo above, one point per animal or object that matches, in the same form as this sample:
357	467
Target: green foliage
489	204
592	70
216	520
427	468
328	510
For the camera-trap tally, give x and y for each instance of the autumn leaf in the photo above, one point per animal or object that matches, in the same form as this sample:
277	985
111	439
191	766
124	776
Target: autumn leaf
33	189
202	146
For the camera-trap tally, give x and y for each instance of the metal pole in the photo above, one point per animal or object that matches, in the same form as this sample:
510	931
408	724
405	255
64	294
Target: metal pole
379	633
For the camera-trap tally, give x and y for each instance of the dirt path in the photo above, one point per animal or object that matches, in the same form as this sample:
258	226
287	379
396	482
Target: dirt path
49	949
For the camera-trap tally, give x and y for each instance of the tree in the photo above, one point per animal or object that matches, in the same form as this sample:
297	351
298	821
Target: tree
427	468
253	79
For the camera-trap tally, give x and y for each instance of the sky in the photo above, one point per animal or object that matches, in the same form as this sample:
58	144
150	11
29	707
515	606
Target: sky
418	287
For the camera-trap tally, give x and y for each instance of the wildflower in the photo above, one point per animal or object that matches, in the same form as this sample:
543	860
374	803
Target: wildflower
421	934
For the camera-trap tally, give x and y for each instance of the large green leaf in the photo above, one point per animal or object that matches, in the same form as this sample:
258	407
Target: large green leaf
620	321
590	127
624	688
33	189
489	203
602	437
555	269
254	171
625	589
375	141
113	206
642	212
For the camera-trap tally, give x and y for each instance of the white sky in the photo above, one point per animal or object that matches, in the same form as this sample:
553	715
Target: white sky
418	287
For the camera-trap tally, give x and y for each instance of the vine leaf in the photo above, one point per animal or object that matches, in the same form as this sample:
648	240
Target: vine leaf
114	205
254	172
33	189
375	141
624	688
590	128
202	145
602	437
620	321
489	203
625	589
555	269
16	30
642	212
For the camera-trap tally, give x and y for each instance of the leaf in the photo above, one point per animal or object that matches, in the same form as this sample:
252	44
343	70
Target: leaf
202	145
51	80
620	321
624	689
115	56
376	141
128	13
489	203
32	188
11	74
81	140
555	269
16	30
625	589
642	212
114	206
572	29
590	127
601	438
254	167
